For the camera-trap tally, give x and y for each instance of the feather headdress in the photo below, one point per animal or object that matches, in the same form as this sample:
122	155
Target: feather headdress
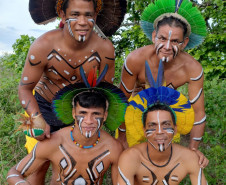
110	14
62	103
148	97
180	9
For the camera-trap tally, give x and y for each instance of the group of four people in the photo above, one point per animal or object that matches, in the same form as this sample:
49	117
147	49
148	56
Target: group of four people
82	152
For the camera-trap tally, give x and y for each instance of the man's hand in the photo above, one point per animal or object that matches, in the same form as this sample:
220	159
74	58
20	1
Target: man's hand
45	135
203	161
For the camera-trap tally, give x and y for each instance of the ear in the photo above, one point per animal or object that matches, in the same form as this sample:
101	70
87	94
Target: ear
62	16
73	113
175	130
153	36
105	115
186	40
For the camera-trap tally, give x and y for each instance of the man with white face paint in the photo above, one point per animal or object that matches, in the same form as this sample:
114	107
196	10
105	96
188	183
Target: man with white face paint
158	161
171	32
54	59
81	154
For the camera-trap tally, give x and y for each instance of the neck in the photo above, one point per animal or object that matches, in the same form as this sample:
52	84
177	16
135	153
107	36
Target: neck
82	140
159	158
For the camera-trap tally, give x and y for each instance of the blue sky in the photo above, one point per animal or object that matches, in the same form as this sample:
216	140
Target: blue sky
15	20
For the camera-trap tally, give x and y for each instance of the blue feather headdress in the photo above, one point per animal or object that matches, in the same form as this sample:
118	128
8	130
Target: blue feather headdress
153	95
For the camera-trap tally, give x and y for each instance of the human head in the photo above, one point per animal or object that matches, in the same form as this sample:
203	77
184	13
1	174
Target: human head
66	4
89	111
159	126
159	106
170	37
80	17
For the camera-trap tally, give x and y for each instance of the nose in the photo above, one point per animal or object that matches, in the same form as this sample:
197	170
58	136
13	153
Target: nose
159	129
89	119
168	45
82	20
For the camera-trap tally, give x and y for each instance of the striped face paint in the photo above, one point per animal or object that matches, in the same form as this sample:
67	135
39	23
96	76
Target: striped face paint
175	51
100	121
149	132
169	130
158	47
159	122
68	21
82	38
168	43
92	21
79	120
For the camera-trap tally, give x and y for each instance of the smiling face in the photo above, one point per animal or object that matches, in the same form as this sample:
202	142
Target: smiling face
169	41
80	19
159	129
89	120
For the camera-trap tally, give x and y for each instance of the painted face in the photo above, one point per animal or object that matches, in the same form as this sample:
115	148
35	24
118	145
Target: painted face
159	129
168	42
80	19
89	120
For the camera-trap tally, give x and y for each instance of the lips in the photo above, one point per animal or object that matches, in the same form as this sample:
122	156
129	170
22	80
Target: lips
88	128
82	32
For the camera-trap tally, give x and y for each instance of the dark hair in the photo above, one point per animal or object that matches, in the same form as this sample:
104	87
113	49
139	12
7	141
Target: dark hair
91	98
66	2
156	107
173	22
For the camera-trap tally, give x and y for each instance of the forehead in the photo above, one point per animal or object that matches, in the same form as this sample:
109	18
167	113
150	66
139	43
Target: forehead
176	32
79	108
79	5
158	115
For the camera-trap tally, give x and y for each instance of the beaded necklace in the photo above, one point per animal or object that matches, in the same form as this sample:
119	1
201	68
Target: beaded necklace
160	166
81	146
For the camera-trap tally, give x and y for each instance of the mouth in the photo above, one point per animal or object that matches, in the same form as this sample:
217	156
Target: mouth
88	129
82	32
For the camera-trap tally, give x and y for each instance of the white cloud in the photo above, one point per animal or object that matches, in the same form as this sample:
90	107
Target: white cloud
15	20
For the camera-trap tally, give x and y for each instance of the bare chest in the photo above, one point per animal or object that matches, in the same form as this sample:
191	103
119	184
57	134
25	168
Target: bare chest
79	168
148	174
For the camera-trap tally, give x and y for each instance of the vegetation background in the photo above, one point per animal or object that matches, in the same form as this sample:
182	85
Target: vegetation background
211	54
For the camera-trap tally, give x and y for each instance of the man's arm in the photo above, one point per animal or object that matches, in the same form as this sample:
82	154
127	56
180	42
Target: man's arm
28	164
127	167
117	148
33	69
196	97
195	172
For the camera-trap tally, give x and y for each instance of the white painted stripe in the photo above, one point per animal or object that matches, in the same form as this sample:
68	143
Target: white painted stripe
197	138
156	181
198	95
198	77
23	181
127	69
70	165
124	178
66	72
164	182
201	121
98	161
200	177
50	56
13	175
72	173
58	57
31	160
130	91
146	179
90	174
174	178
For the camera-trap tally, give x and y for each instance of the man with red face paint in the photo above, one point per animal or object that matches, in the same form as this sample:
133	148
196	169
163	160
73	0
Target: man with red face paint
158	161
170	33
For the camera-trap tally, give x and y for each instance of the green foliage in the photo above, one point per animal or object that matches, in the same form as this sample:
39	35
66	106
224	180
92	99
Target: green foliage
20	50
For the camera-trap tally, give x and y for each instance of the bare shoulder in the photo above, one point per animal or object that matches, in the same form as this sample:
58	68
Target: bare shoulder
192	66
104	45
136	59
134	153
186	155
112	143
46	41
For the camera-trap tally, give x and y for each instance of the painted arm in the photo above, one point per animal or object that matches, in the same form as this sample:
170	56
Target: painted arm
33	69
27	166
196	96
127	167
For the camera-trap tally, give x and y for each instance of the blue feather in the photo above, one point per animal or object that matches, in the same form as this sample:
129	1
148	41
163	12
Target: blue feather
160	76
178	3
149	76
82	73
102	74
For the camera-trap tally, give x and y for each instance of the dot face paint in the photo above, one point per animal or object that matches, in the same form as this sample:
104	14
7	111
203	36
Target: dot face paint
159	130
